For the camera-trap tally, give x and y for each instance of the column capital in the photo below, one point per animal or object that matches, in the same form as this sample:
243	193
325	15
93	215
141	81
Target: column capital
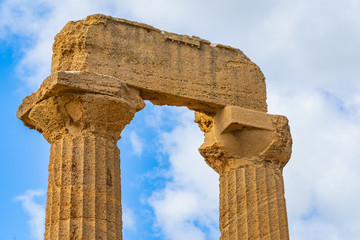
71	103
236	136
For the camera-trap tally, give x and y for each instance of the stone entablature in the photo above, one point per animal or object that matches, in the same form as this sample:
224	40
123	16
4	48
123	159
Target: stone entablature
167	68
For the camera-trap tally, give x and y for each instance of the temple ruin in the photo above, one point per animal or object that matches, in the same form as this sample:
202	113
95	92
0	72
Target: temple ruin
103	68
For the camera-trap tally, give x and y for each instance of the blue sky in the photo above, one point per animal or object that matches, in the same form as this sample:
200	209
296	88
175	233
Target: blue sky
309	52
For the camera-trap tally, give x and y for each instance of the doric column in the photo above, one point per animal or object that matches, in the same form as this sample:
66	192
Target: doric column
84	195
249	150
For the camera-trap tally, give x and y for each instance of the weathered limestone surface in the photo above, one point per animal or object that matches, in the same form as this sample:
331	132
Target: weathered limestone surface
83	127
165	67
102	70
249	150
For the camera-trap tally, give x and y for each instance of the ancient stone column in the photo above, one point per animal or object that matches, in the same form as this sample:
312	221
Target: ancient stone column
84	195
249	150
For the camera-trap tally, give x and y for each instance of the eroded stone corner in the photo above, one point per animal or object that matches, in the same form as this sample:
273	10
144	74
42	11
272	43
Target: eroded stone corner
70	103
236	137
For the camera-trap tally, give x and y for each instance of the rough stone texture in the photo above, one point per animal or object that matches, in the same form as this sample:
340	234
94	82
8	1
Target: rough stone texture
84	195
102	70
79	82
83	127
252	203
249	150
165	67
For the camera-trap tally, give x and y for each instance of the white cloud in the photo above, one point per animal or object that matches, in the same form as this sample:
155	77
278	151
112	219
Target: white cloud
154	119
35	211
39	21
128	218
321	178
136	143
309	53
187	207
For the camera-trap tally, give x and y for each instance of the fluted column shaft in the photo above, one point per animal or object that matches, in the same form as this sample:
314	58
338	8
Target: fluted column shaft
84	191
248	149
84	197
252	203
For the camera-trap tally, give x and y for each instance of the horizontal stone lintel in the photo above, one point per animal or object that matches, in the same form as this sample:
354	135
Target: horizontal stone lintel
167	68
88	82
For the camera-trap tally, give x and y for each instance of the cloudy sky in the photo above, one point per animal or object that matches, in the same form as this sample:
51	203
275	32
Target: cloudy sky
309	51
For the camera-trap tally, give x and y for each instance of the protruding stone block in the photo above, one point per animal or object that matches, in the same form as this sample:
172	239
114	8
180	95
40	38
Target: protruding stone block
85	83
232	118
244	137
